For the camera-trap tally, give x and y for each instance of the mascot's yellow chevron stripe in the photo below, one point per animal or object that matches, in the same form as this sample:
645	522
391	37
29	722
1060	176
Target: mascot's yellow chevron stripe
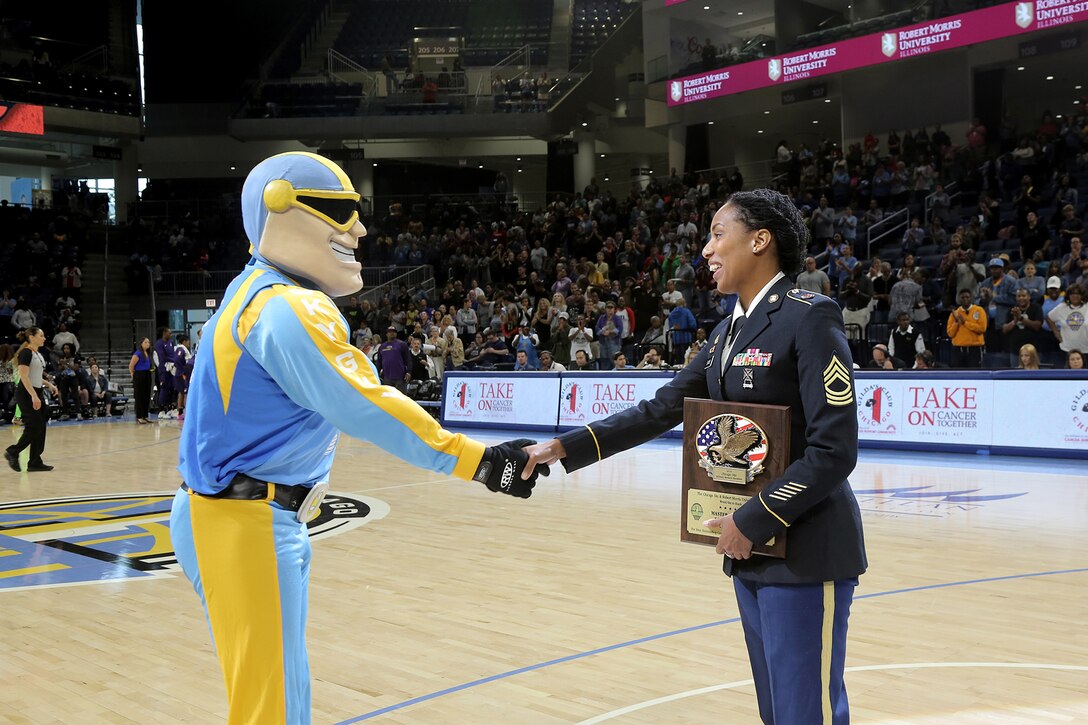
321	321
228	350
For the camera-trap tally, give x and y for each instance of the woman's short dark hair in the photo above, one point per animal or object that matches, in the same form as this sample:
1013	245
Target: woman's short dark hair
773	211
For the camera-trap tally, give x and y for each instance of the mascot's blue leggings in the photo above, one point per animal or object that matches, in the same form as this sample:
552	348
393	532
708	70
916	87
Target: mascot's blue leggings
250	563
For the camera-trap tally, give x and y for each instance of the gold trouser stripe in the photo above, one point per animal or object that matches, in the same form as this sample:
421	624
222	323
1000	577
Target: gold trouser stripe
236	556
771	511
825	652
596	443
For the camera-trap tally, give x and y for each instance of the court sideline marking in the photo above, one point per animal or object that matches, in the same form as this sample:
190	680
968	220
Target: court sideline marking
860	668
663	635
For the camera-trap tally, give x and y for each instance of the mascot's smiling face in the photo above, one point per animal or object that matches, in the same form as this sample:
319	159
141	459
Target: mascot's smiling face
301	214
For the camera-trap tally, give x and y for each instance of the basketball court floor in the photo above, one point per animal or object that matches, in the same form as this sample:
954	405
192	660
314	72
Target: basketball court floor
436	601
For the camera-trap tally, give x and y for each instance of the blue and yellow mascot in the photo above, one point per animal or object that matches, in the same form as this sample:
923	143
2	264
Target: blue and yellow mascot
276	383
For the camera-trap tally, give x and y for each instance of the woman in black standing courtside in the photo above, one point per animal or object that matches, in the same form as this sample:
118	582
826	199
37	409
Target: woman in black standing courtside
29	397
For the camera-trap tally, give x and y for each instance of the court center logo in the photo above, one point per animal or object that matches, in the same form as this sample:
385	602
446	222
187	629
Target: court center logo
896	501
1025	14
889	44
94	539
677	91
774	69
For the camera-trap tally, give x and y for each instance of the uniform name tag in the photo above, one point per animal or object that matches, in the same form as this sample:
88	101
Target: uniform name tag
752	357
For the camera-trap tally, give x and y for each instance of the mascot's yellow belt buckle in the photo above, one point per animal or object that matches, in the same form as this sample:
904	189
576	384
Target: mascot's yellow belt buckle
311	505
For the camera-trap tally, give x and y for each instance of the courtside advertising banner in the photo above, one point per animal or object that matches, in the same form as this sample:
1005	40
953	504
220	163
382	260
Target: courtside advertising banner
904	408
500	399
955	31
588	397
1046	414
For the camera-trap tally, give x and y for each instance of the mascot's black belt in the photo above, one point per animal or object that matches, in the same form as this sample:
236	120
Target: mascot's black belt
292	498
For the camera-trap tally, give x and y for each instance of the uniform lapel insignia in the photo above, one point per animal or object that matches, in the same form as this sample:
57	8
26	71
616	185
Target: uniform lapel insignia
749	382
837	387
772	299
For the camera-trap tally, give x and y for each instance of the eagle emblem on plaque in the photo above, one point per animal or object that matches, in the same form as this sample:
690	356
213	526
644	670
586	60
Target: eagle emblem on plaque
731	448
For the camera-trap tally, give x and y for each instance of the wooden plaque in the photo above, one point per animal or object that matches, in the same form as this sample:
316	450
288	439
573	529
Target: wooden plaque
731	451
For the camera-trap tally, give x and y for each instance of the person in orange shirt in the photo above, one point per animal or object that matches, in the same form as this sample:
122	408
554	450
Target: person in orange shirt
967	328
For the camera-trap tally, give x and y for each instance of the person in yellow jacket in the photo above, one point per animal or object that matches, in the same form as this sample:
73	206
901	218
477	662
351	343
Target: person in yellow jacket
967	328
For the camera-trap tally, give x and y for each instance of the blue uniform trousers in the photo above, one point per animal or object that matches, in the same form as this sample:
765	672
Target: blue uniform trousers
796	638
250	563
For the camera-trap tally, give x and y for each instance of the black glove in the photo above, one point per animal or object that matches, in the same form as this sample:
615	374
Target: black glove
501	467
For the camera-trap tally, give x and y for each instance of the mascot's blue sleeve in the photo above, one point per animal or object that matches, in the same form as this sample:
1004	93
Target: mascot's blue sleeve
300	339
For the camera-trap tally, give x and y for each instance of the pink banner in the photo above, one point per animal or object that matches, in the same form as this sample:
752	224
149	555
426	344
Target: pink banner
673	2
956	31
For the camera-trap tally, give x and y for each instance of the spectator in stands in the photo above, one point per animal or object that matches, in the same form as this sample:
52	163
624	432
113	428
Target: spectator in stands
139	369
1034	239
390	74
1070	226
7	309
914	236
823	226
655	333
495	351
1073	263
455	351
925	360
906	339
23	318
71	278
1023	323
1032	283
420	368
845	262
709	55
1002	287
582	361
874	214
1027	199
883	360
855	296
967	329
1067	320
813	279
940	205
1074	360
435	348
63	337
682	326
8	379
527	341
548	363
1028	357
98	391
651	360
581	338
522	363
619	362
394	360
906	296
474	352
608	331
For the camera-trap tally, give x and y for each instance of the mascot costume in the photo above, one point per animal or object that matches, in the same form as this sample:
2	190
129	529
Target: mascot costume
276	383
